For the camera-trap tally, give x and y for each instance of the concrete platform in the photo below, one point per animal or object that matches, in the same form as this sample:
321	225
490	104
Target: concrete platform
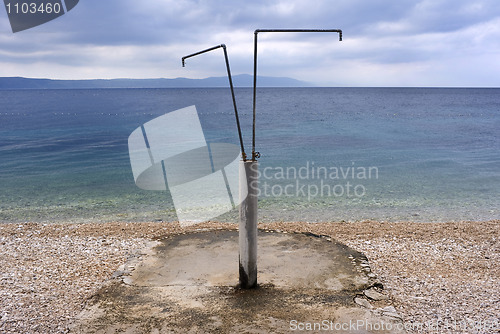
188	284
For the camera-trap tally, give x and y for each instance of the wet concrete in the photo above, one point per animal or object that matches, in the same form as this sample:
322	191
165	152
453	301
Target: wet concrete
188	284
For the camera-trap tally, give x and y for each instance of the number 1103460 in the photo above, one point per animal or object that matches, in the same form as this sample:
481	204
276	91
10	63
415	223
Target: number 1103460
33	8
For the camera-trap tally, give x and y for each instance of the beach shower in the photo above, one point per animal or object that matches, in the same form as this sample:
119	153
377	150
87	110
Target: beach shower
248	169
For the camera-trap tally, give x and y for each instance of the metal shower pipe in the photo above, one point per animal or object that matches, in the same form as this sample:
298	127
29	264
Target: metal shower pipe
223	46
256	155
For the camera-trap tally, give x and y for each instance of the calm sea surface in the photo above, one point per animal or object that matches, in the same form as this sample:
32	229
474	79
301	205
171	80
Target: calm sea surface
328	154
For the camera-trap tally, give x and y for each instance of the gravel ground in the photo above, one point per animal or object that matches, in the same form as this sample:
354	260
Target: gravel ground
442	277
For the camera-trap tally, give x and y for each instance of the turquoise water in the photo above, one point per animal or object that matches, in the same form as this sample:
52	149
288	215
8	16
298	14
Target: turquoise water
328	154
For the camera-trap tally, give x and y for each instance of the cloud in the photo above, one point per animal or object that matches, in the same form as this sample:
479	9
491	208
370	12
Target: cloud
386	42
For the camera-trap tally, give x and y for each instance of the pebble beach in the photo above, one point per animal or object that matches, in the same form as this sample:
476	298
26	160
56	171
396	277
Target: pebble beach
441	277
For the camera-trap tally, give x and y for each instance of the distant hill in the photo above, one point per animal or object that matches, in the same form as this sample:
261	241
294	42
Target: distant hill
241	80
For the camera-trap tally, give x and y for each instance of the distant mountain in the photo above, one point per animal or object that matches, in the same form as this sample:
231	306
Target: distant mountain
241	80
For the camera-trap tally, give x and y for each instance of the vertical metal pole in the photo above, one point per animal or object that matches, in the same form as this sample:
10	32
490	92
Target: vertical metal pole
248	224
254	154
248	207
248	189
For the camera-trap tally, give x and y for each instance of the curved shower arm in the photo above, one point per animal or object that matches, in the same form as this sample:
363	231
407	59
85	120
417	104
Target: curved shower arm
223	46
256	155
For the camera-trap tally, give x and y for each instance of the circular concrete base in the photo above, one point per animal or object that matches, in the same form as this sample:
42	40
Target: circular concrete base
188	284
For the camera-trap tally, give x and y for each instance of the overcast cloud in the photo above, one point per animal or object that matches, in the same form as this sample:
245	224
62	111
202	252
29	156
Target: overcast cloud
386	42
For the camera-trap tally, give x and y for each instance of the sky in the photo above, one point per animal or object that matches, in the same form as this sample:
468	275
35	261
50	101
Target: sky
386	43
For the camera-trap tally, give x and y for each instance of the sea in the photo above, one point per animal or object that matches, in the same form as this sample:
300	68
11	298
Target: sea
327	154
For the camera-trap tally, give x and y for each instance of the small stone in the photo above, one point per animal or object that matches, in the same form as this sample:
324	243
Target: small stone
392	315
120	273
128	280
363	302
374	295
389	309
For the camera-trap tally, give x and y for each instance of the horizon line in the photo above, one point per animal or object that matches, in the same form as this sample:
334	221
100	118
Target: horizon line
308	84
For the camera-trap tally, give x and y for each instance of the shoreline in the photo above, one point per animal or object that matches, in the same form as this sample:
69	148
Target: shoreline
442	274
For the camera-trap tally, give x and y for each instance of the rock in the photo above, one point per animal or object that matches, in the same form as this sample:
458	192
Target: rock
374	294
389	309
363	302
127	280
392	315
